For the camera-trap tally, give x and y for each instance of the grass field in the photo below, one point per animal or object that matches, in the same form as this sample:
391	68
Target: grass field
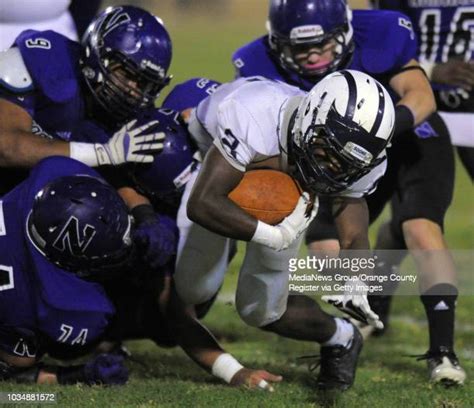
386	377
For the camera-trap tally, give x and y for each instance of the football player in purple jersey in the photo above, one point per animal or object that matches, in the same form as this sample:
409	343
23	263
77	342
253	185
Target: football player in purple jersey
56	93
70	277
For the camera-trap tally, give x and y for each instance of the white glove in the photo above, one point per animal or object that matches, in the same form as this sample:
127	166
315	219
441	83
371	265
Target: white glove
130	145
281	236
354	303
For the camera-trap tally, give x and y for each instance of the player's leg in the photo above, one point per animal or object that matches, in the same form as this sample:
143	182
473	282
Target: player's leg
426	182
202	257
262	301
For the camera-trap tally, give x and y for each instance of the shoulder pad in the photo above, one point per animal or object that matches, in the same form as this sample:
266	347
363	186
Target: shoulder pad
13	73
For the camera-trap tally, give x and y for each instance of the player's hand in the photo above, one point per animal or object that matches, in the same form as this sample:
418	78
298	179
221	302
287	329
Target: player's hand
354	303
106	369
297	222
260	379
454	72
156	237
131	144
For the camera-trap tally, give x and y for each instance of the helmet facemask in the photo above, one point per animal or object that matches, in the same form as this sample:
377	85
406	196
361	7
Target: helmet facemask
290	52
311	32
122	88
327	161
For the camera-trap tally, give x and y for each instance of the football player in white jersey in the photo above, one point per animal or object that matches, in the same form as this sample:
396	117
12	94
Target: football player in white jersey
333	141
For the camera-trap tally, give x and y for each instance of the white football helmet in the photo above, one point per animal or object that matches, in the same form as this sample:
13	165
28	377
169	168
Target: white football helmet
341	130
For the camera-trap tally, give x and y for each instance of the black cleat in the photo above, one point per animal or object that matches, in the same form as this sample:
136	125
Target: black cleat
338	364
443	367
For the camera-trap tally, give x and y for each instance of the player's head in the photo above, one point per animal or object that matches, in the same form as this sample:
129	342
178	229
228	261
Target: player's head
127	53
311	37
340	131
81	224
165	177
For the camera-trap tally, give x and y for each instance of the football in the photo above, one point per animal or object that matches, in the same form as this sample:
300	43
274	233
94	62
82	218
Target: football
268	195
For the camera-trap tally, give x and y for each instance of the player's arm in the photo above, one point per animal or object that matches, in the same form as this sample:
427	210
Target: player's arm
202	347
209	204
417	100
18	146
156	235
453	72
352	221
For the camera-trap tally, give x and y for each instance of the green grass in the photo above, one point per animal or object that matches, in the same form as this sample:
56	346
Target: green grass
386	378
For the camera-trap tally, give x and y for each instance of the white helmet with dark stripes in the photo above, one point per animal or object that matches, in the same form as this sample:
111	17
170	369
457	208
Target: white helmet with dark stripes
340	131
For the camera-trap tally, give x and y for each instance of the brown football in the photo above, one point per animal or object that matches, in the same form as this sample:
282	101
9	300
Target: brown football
268	195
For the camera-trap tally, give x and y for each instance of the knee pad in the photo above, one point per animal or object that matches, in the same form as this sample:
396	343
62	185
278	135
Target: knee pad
257	314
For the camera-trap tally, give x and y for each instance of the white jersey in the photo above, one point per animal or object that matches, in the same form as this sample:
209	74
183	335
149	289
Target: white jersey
19	15
244	120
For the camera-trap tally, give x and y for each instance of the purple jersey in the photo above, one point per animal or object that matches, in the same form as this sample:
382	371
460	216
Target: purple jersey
384	42
445	30
38	300
55	100
189	93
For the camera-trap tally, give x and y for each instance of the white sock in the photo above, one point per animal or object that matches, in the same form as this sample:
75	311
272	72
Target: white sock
343	334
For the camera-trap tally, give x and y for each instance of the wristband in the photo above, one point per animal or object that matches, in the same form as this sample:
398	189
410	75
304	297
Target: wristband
404	119
144	213
267	235
84	152
225	367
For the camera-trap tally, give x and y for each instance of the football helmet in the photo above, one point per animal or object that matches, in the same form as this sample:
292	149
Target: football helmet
164	179
298	25
340	131
127	53
81	224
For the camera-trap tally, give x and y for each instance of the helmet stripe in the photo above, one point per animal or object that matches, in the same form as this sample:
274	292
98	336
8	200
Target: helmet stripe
380	111
351	103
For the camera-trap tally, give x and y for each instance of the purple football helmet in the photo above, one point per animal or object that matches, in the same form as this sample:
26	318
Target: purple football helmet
81	224
164	179
296	26
127	53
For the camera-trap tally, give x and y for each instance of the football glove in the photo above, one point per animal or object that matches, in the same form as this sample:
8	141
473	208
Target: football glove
130	144
156	236
281	236
354	303
107	369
